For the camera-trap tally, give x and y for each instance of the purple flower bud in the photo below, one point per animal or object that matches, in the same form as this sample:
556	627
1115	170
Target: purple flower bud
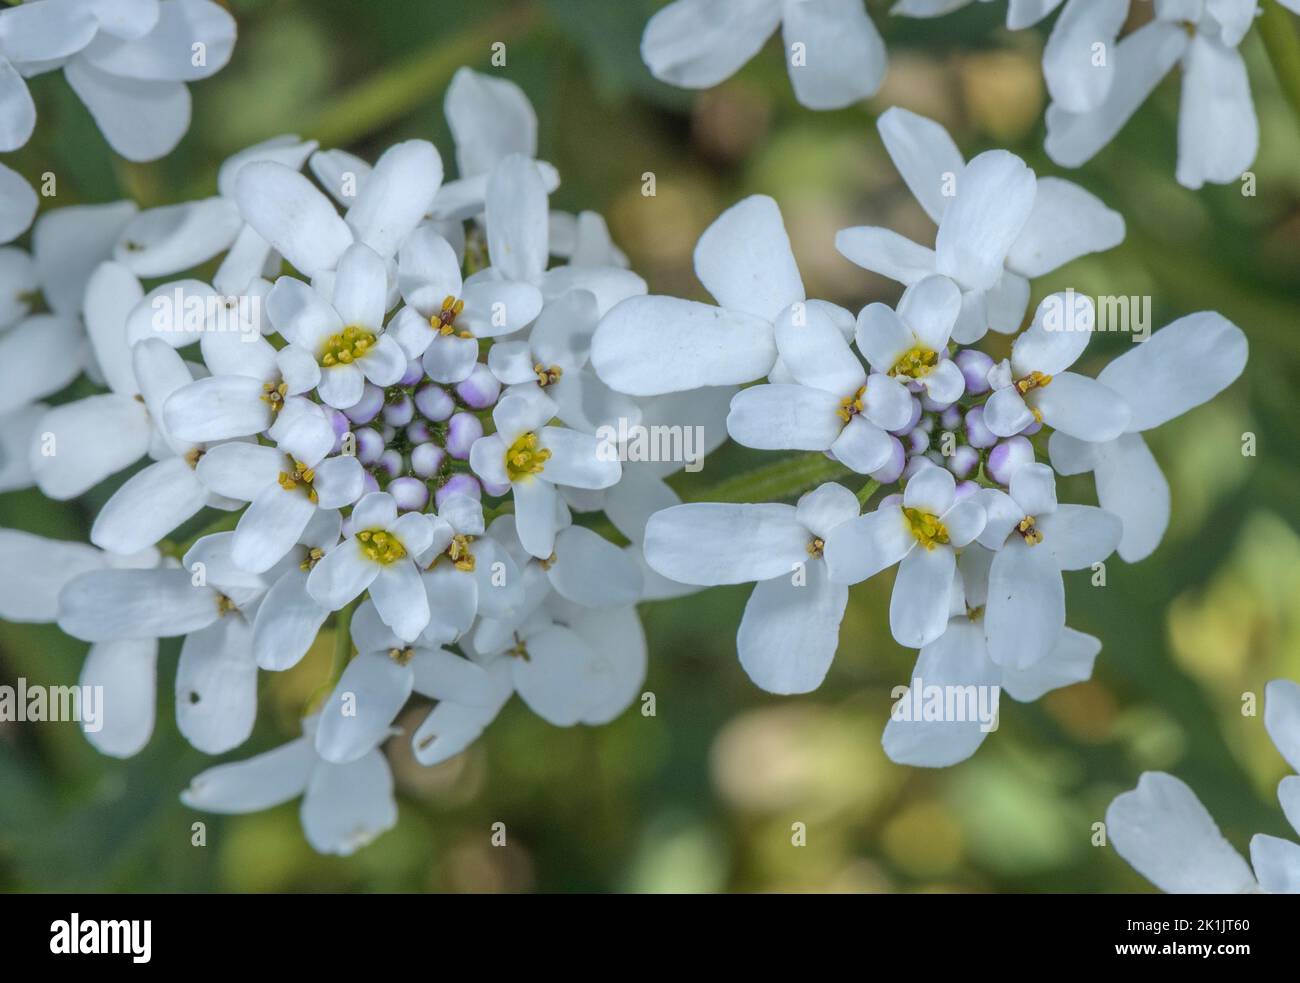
419	432
912	421
963	461
481	389
950	419
390	462
1033	428
890	471
974	367
462	431
458	484
414	373
368	407
369	445
496	490
1007	457
400	411
434	403
930	406
977	434
427	459
965	489
411	494
369	483
892	499
918	441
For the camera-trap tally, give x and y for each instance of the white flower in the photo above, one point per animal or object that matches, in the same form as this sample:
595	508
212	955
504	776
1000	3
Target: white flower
584	240
912	342
285	485
335	345
960	658
790	628
1162	829
1035	539
301	224
1218	133
531	458
999	226
344	807
378	555
210	602
289	618
921	533
647	346
1185	364
834	54
1034	386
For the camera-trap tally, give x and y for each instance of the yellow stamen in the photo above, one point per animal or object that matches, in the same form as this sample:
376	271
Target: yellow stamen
851	405
444	322
545	376
916	363
381	546
1035	380
274	395
401	656
1029	531
458	553
525	458
926	527
299	475
313	557
347	346
224	605
192	456
519	650
816	546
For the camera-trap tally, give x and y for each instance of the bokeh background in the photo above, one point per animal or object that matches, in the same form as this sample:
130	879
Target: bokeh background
702	796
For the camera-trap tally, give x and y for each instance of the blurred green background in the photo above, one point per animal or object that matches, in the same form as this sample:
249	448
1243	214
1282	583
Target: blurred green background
702	796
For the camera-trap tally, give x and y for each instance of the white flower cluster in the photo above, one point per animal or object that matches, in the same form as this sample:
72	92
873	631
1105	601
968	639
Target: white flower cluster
401	431
1096	80
1162	829
975	527
127	60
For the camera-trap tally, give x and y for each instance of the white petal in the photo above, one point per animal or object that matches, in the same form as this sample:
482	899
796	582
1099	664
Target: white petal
995	194
489	119
517	219
783	417
289	213
68	243
167	52
17	204
140	120
1218	133
287	623
35	571
886	252
89	440
163	241
106	605
347	806
744	260
1164	832
270	527
216	686
651	345
1070	662
148	506
365	701
1282	718
918	609
825	507
1277	864
1074	78
396	195
697	44
1066	222
17	111
1080	535
1034	489
815	351
535	514
399	598
862	446
931	490
260	782
37	359
1061	330
1025	614
591	571
924	154
862	547
341	575
127	674
560	676
883	337
790	630
929	308
713	543
1081	407
240	470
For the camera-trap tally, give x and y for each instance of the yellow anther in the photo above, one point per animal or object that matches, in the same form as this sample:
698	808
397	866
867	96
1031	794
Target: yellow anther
926	527
545	376
1035	380
401	656
519	650
1029	531
852	405
444	322
347	346
192	456
458	553
381	546
916	363
816	546
525	458
274	395
313	557
299	476
225	605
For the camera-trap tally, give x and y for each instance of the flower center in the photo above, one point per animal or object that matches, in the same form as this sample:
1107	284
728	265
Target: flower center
852	405
915	363
193	455
401	656
926	527
1029	531
313	557
816	546
525	458
444	322
274	395
381	546
547	377
519	650
1035	380
299	475
347	346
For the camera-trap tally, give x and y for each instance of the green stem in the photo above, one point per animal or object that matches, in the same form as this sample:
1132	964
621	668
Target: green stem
867	490
392	93
1283	46
783	479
